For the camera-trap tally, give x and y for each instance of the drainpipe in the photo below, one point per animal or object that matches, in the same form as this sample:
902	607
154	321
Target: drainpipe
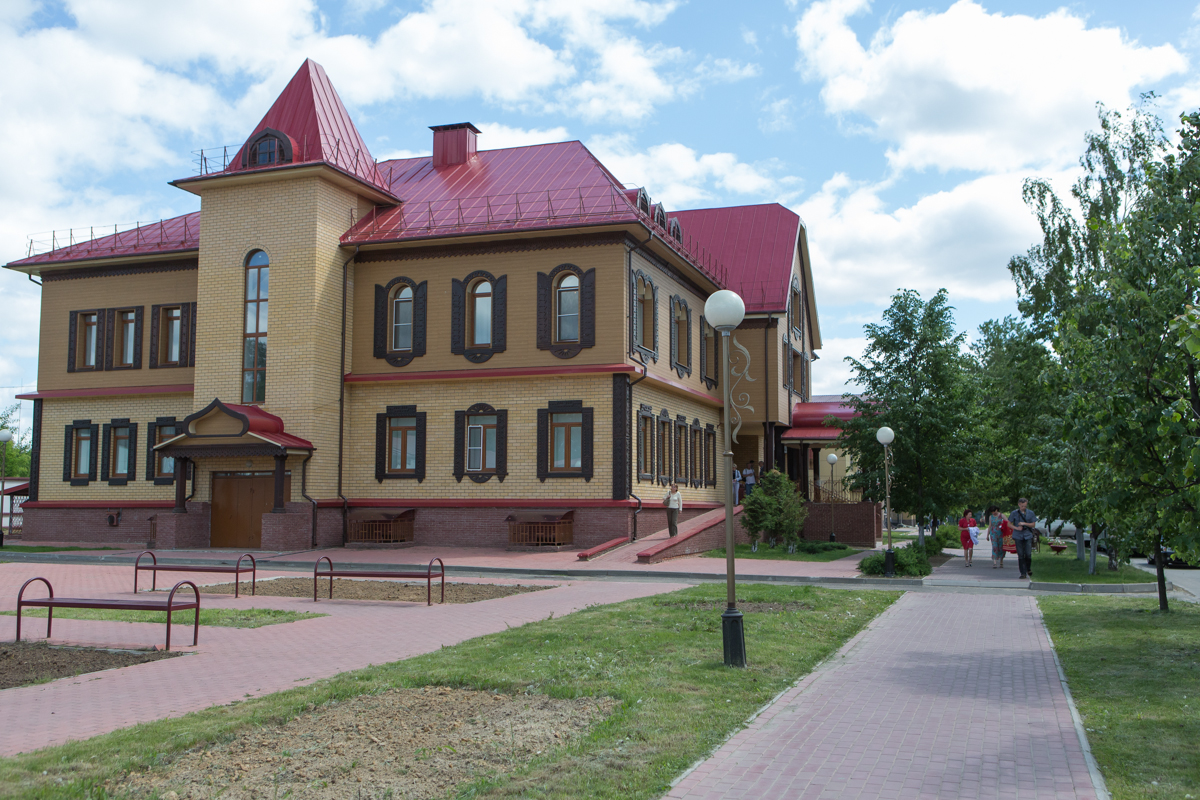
191	467
31	280
342	393
304	494
638	510
770	427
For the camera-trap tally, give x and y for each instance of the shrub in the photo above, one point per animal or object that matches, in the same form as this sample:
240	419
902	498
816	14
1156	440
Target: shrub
911	561
774	508
945	536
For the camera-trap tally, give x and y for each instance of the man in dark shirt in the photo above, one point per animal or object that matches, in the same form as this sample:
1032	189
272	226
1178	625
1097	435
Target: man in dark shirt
1023	521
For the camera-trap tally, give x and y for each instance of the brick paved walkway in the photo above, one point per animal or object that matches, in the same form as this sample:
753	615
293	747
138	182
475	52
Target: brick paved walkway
943	696
233	663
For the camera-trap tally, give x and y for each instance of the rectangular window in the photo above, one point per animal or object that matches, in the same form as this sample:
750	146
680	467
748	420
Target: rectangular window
646	447
681	449
566	441
797	312
170	336
481	443
664	449
83	453
798	372
697	456
712	353
710	457
119	467
254	346
88	335
164	466
126	334
402	445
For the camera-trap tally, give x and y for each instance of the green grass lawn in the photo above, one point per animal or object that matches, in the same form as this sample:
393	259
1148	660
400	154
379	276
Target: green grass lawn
1064	568
30	548
660	657
780	553
220	617
1135	676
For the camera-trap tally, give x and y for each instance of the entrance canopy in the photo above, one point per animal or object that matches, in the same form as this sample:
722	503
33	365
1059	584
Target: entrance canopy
226	429
809	421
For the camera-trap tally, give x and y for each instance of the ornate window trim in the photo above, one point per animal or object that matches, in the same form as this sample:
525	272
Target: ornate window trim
69	452
152	455
73	353
115	341
383	319
635	313
665	432
710	381
460	444
547	311
681	351
283	144
187	334
459	317
107	454
646	437
586	457
381	444
680	473
696	454
710	455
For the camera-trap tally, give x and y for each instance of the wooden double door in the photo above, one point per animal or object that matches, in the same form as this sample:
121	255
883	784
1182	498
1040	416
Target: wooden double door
239	499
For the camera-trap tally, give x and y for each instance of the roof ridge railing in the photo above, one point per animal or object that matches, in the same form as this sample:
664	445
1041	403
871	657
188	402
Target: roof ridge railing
124	236
354	160
515	210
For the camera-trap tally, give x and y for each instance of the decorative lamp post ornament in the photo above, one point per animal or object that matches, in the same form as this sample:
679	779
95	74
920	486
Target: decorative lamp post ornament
724	310
832	459
886	436
5	438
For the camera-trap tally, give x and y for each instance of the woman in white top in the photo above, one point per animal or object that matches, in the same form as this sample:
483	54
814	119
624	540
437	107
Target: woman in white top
749	477
674	503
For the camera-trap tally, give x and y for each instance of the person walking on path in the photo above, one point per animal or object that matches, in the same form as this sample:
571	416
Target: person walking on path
995	534
674	503
1023	521
749	478
968	531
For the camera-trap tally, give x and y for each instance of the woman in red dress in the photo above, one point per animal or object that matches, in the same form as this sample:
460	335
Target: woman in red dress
964	534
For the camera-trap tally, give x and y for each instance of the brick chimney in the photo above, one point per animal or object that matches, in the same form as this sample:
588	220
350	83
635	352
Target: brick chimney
453	144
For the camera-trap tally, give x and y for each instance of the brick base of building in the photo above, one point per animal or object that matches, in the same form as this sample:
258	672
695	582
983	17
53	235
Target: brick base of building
855	524
135	526
184	531
290	530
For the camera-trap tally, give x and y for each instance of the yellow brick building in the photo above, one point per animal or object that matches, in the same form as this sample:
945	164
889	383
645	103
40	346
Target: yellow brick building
335	350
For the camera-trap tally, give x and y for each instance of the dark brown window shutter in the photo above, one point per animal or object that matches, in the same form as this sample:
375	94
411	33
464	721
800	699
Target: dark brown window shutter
104	453
155	312
92	465
380	446
654	316
673	338
151	435
545	310
458	318
187	348
35	453
72	338
501	444
420	314
420	443
587	309
460	443
103	346
109	315
688	343
543	444
500	314
68	452
703	351
133	426
585	455
138	315
381	320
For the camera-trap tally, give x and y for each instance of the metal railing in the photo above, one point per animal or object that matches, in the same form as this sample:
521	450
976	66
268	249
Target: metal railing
381	531
541	534
164	232
833	492
225	158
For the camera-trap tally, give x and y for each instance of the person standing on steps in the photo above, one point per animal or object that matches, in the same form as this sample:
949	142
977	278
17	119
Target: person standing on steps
674	503
1023	521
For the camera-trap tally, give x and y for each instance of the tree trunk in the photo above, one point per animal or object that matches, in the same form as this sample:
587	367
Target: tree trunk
1094	539
1162	577
1079	534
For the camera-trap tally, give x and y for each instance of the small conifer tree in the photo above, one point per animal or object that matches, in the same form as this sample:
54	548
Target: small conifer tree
774	509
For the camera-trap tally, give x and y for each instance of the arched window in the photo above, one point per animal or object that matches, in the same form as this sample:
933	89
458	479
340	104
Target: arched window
266	150
645	322
479	314
402	319
566	326
254	345
683	342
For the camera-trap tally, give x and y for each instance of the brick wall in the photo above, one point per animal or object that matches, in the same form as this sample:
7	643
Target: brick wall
291	530
857	524
184	531
137	525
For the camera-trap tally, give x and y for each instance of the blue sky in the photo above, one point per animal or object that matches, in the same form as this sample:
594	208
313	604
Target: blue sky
900	132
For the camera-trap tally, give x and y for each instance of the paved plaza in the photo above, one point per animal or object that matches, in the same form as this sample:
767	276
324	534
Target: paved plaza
950	693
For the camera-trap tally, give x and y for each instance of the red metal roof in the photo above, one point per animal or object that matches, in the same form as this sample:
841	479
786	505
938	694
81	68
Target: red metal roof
808	420
757	244
175	235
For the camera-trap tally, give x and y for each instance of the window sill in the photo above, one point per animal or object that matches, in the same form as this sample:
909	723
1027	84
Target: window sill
80	481
403	476
575	473
164	481
118	481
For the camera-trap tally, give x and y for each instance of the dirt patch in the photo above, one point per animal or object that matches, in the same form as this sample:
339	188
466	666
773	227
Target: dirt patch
404	743
25	663
749	608
939	560
354	589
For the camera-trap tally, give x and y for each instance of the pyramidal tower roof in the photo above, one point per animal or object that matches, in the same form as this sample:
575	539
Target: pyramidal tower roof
311	125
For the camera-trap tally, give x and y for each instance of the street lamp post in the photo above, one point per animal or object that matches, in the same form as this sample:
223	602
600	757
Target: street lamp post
832	459
5	438
724	310
886	436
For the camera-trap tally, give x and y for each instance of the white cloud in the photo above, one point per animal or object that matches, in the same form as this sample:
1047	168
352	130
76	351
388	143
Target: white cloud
680	177
965	89
831	374
776	116
495	136
750	38
960	239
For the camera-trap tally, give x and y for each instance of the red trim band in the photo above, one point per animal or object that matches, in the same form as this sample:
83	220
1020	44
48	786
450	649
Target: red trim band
49	394
98	504
505	372
382	502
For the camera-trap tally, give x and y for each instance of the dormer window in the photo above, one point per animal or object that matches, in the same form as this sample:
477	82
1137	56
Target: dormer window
268	147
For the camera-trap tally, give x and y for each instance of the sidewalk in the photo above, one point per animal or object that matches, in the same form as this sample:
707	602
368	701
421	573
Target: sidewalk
941	697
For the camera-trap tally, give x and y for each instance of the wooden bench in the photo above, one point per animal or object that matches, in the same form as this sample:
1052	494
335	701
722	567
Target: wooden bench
428	575
156	604
154	568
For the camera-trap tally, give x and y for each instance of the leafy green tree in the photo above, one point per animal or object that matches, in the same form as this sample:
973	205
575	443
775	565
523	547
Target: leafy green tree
18	451
913	378
775	508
